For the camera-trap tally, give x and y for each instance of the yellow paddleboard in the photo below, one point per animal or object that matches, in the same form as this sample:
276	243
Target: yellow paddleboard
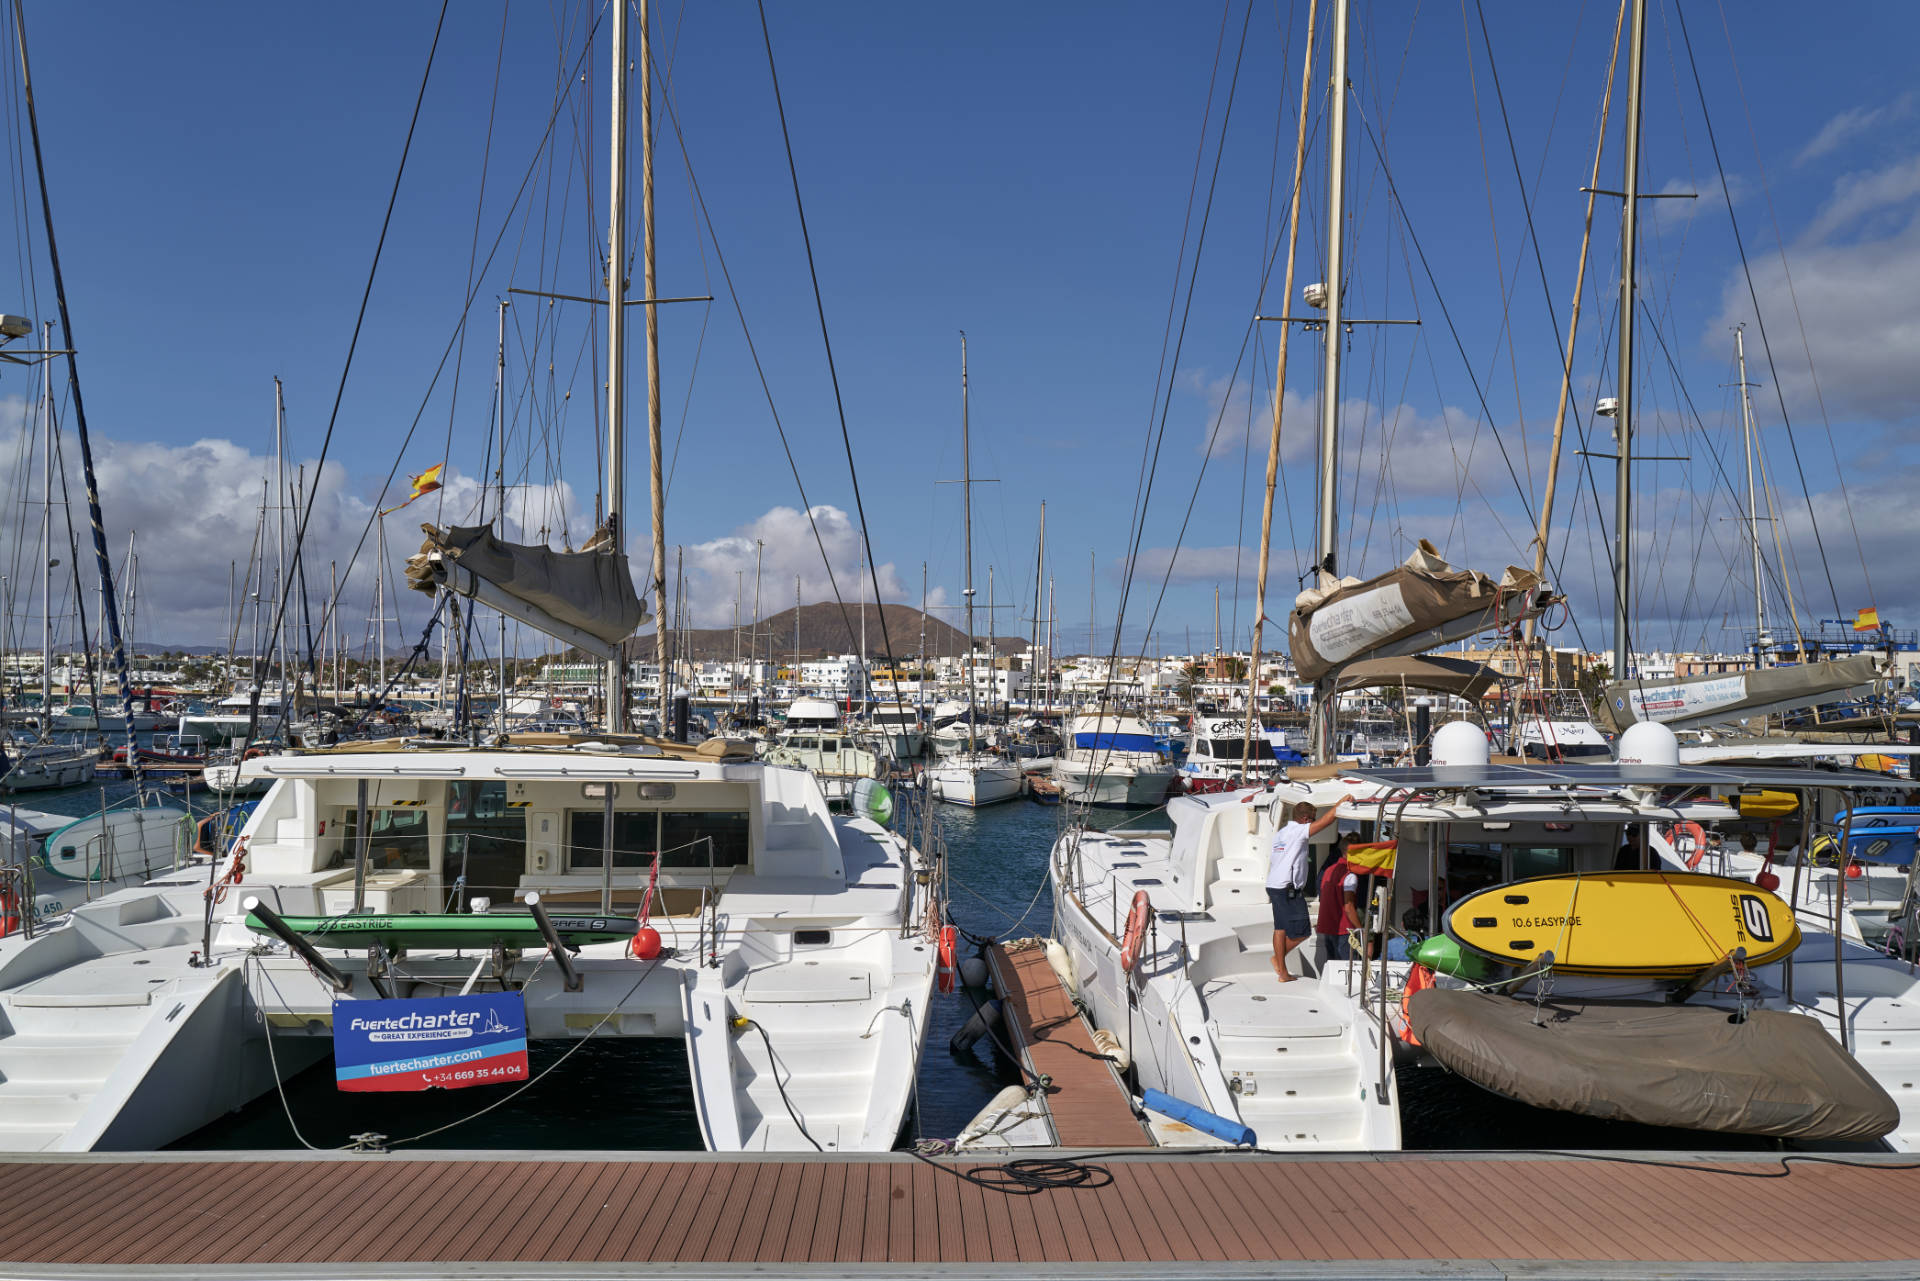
1646	924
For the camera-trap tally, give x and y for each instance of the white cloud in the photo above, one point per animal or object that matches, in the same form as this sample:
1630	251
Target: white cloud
788	551
1852	280
1853	123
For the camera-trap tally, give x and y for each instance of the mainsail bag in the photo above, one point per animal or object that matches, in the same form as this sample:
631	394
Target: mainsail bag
1423	603
563	593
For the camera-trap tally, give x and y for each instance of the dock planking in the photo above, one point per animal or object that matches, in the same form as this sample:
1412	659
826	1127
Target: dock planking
1477	1214
1090	1107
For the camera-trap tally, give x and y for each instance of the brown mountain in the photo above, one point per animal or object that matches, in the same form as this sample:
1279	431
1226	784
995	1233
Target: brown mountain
826	629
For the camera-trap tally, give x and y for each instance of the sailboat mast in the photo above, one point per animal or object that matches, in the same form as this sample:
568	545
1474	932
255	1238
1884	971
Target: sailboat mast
1753	502
1325	698
1629	250
280	584
500	477
656	469
966	507
1039	582
46	531
616	671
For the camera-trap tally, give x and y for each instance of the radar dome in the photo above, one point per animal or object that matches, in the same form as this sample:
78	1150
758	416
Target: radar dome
1646	743
1459	743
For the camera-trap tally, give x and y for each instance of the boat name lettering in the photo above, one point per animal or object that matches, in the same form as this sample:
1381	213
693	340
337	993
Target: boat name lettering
414	1022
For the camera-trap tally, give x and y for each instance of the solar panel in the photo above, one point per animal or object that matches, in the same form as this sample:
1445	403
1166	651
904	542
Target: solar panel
1610	776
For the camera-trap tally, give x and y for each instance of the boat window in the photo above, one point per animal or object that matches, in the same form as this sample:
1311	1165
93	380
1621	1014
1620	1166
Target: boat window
684	837
829	744
397	839
635	838
1538	860
1229	748
486	839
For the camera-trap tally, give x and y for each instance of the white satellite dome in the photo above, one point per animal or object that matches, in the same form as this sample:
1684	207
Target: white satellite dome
1460	743
1646	743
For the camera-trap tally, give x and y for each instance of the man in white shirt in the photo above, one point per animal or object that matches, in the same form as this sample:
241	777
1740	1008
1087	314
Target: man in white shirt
1287	880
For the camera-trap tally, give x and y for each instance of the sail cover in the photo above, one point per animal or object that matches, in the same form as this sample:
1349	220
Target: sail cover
1457	676
1775	1074
585	598
1423	603
1704	700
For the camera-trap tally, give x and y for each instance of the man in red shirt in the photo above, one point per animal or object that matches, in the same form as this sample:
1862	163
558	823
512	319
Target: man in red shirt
1330	923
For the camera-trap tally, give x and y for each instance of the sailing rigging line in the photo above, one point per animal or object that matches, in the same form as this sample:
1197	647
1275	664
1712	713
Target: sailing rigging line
109	614
753	353
446	353
340	391
1760	323
1793	297
1157	437
820	308
473	255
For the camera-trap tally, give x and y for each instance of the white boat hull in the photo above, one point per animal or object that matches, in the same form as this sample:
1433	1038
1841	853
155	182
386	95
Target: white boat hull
958	783
1111	779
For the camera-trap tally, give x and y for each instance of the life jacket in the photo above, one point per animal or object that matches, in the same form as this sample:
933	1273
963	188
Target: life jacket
1332	904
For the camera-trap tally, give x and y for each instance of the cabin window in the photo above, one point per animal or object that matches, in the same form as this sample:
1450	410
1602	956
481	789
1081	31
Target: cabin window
830	745
684	837
681	836
397	839
1228	749
635	838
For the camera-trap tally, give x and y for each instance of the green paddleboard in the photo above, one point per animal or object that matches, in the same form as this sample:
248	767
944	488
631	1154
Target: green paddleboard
1443	955
452	930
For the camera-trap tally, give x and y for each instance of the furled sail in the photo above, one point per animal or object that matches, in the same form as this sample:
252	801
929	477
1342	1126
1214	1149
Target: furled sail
584	598
1422	604
1704	700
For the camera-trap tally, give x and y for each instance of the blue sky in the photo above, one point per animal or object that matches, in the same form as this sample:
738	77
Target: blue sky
1023	173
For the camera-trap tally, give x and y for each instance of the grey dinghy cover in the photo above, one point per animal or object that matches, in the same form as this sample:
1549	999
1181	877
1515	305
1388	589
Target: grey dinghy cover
1422	604
585	598
1688	1066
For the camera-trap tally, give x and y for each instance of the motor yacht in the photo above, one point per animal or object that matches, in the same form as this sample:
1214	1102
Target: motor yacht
1113	760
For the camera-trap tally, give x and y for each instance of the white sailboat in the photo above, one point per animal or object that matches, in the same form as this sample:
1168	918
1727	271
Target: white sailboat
971	776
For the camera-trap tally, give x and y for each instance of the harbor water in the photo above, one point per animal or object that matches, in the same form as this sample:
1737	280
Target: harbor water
634	1095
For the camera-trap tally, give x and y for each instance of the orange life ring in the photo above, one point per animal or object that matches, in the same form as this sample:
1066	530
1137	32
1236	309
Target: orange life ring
1695	834
1137	917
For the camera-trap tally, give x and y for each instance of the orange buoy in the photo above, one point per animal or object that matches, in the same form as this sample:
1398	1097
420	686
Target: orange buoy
646	943
9	913
1136	930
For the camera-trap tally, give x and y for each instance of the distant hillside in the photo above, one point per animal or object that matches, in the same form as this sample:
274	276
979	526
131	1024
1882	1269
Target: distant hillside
826	629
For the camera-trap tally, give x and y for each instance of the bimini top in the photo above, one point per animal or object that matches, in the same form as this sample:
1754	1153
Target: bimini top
1611	776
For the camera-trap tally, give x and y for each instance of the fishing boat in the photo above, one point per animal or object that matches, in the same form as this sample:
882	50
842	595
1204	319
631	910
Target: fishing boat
1223	754
1114	760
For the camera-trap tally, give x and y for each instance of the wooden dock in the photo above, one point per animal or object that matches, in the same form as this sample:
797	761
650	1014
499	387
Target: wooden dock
1162	1215
1088	1103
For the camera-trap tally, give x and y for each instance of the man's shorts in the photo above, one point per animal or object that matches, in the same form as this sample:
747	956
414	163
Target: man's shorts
1289	912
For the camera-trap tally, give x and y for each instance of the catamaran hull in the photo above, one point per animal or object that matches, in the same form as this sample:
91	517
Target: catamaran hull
975	787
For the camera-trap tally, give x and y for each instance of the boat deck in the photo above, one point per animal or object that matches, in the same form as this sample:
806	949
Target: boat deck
1162	1214
1090	1108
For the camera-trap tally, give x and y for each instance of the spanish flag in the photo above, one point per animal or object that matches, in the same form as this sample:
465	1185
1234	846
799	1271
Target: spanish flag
425	483
1868	620
1373	858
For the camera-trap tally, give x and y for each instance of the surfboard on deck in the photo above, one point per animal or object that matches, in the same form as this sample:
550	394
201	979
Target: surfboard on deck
453	930
1646	924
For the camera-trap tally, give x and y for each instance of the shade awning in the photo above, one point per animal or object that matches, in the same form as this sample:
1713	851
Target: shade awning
1442	675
